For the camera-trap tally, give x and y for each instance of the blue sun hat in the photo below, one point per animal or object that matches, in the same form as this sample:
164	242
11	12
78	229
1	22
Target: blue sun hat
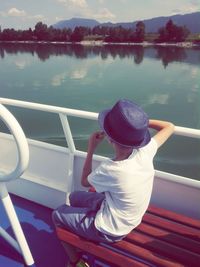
126	124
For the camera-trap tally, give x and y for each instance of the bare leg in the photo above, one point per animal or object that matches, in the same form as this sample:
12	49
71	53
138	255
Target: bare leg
72	252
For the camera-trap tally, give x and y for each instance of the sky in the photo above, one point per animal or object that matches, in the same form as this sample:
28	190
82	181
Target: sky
24	14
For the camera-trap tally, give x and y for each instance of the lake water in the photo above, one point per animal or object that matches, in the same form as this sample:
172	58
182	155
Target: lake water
163	80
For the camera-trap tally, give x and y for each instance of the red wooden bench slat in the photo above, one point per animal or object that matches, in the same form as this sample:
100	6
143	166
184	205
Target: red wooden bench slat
174	216
163	248
146	254
102	252
172	226
169	237
97	250
164	238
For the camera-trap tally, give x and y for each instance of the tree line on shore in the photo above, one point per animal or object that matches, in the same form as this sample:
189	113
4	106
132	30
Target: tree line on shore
169	33
137	52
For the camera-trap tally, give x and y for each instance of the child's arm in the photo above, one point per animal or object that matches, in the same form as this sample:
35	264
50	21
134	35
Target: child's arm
165	130
94	140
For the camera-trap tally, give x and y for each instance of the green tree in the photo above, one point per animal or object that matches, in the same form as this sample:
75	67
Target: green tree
41	31
172	33
101	30
27	35
140	31
9	35
66	34
79	33
118	35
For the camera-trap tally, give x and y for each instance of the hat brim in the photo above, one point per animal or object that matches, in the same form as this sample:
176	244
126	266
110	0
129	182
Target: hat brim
101	118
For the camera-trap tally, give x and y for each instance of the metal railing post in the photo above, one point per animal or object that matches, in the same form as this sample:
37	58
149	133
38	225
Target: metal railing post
67	132
72	149
21	244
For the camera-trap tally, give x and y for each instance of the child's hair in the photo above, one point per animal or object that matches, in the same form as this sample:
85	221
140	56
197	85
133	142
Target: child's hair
122	147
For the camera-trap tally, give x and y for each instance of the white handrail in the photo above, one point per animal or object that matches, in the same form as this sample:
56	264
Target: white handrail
182	131
188	132
22	145
64	112
23	159
48	108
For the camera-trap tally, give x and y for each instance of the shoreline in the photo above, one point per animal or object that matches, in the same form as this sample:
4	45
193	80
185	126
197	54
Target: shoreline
101	43
145	44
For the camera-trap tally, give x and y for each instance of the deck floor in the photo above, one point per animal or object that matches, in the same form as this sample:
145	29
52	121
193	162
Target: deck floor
39	232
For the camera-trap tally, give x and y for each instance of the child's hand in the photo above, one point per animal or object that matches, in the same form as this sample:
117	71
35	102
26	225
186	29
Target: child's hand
95	139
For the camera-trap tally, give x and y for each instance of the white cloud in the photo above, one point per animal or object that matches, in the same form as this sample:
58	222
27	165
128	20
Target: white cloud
21	64
192	6
79	74
76	74
14	12
74	3
58	18
195	87
22	14
79	3
104	13
58	79
81	8
159	99
194	72
37	17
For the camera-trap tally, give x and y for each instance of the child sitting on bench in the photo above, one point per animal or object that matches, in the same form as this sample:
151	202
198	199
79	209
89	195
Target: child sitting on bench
123	184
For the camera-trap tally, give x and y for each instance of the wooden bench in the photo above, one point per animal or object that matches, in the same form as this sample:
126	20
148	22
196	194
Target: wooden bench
164	238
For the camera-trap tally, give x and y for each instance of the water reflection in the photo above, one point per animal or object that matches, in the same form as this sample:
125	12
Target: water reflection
170	54
51	74
45	51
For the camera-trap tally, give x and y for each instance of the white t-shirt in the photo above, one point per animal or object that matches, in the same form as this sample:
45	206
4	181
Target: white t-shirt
128	186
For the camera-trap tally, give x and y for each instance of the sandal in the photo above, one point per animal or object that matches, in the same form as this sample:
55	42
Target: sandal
79	263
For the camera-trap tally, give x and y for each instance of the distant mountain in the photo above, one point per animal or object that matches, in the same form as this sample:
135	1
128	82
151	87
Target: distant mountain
74	22
191	21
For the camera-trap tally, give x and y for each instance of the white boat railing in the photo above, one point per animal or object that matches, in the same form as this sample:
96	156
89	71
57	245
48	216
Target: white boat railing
19	242
65	112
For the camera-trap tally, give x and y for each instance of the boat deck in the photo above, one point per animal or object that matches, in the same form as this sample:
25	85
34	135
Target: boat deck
165	234
164	239
39	232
